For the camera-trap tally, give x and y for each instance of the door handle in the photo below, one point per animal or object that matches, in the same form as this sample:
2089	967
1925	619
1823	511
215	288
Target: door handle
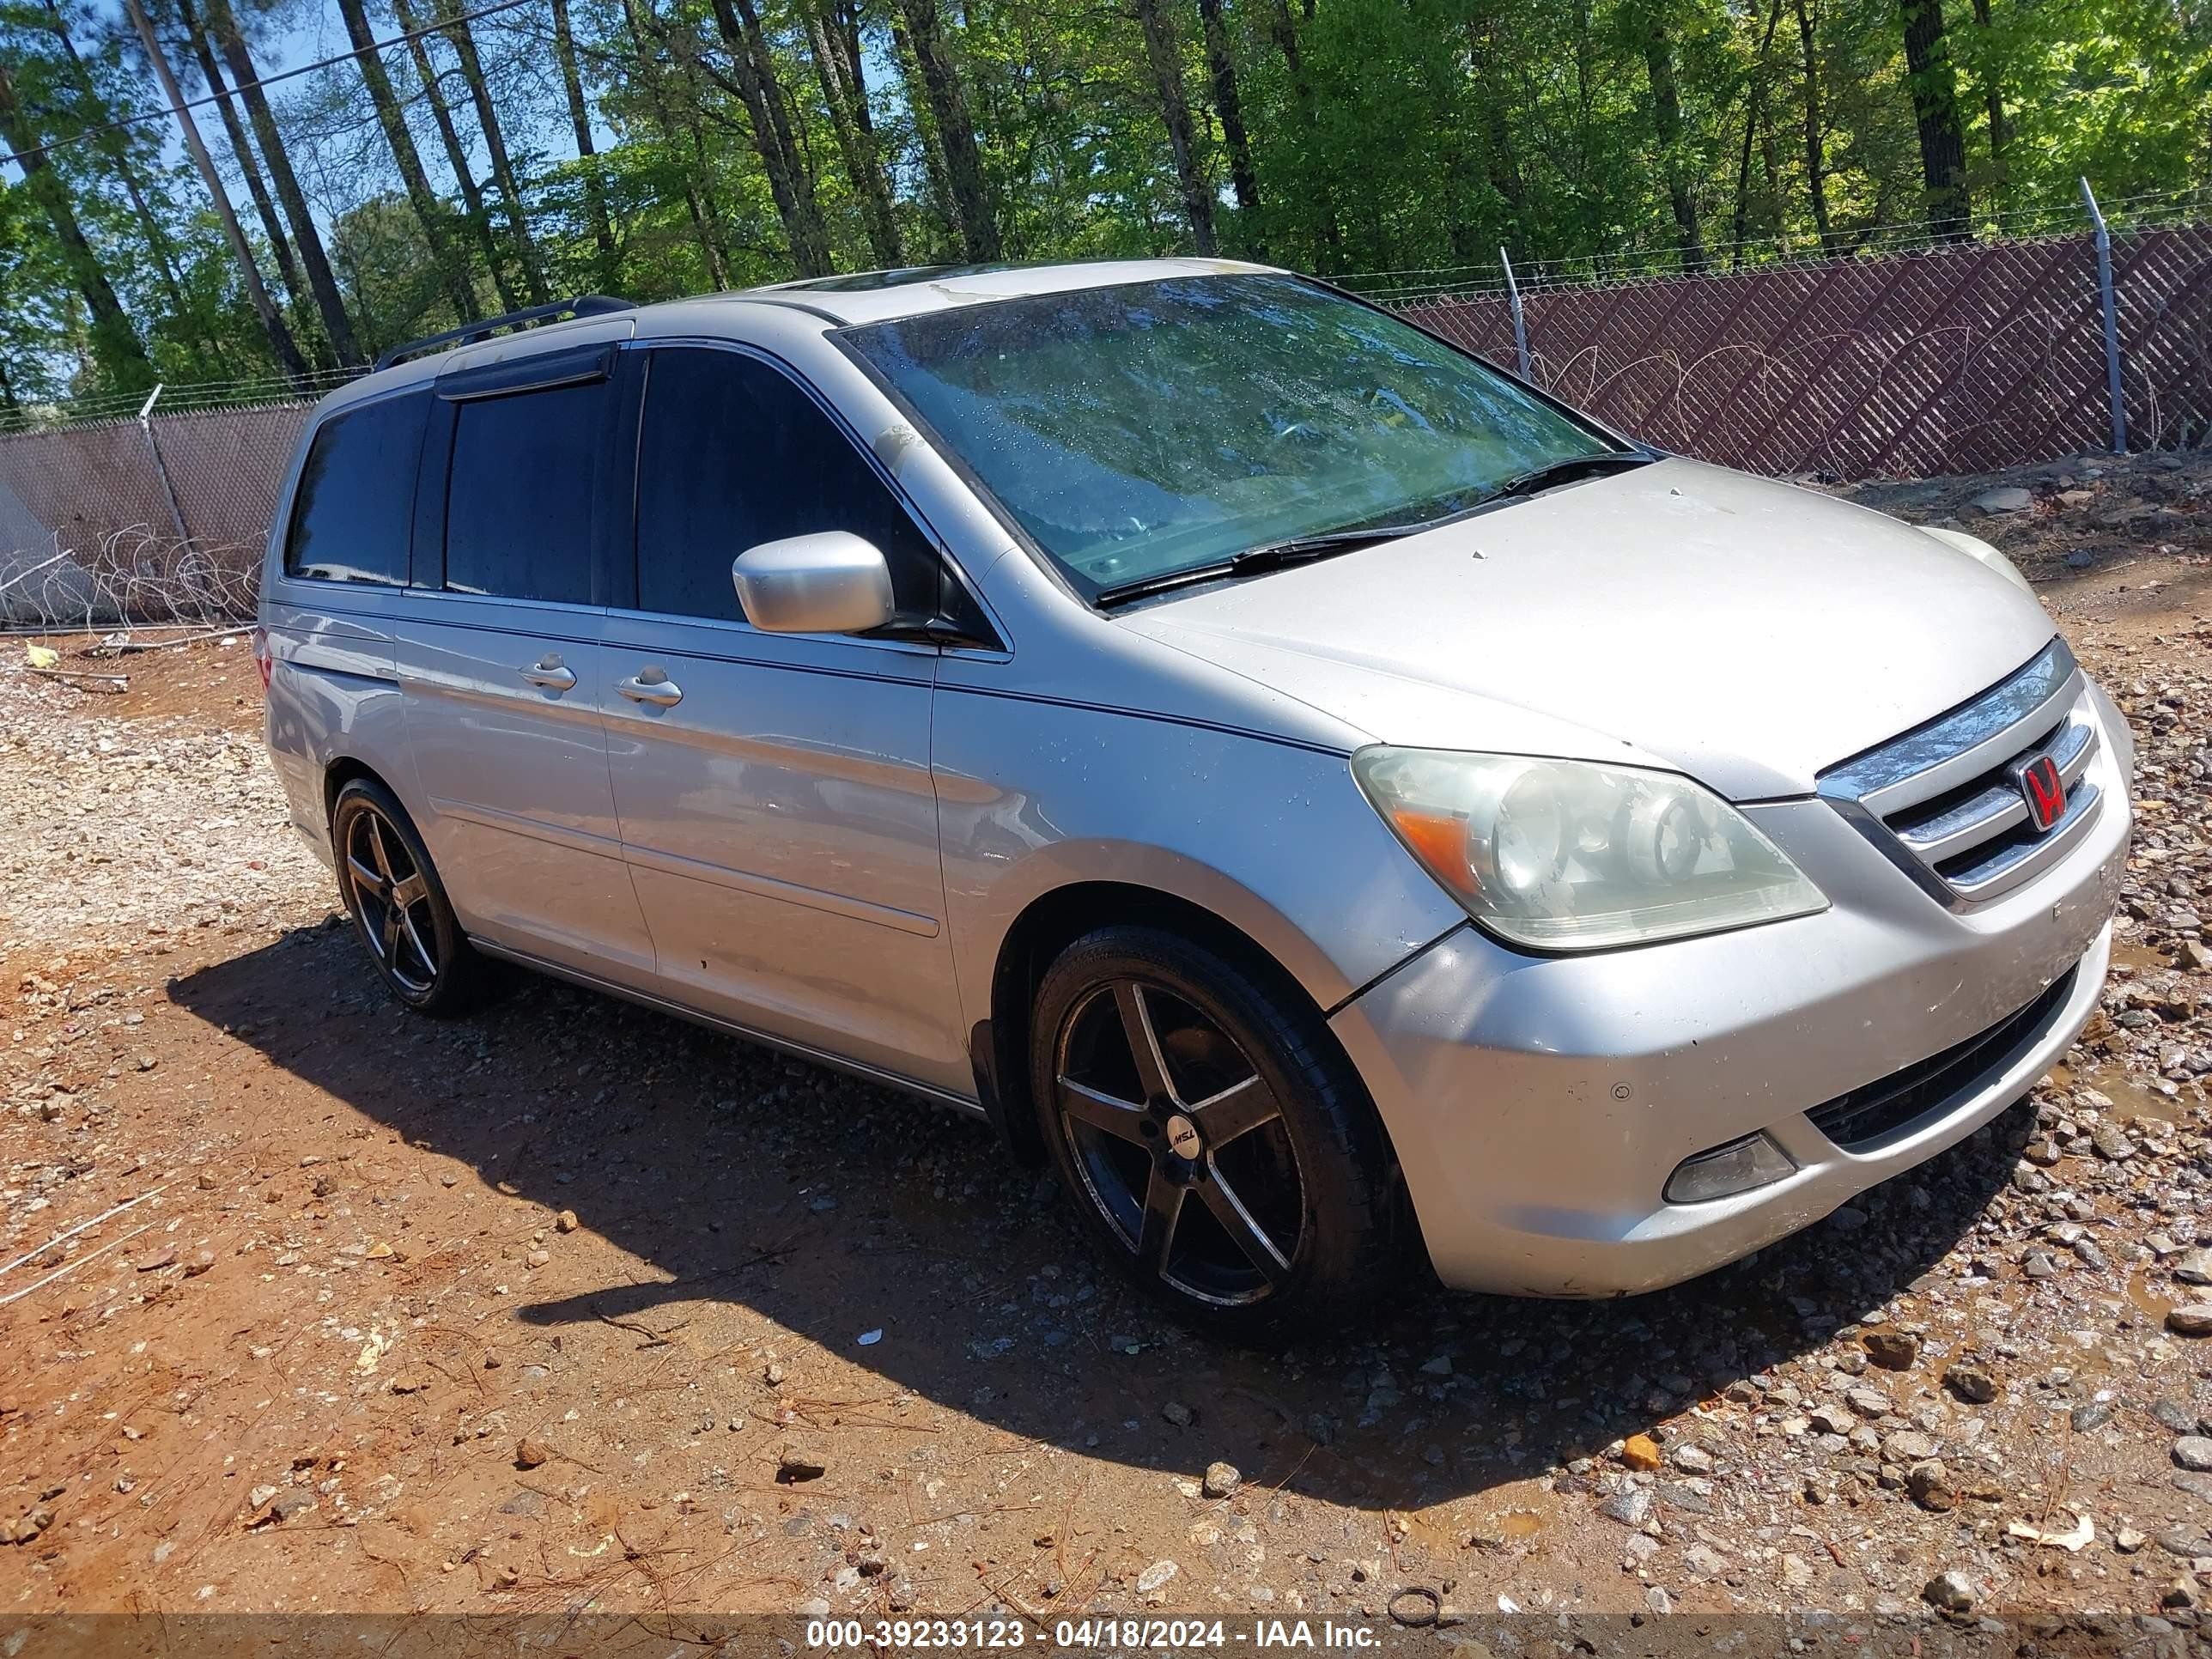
550	673
651	685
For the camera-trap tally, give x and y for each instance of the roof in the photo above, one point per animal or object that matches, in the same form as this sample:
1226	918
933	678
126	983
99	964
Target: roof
869	296
875	296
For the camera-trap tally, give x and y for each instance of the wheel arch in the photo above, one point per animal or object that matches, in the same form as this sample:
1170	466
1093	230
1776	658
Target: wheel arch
1051	920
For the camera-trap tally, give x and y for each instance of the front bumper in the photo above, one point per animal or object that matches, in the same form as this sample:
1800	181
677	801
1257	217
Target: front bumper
1538	1105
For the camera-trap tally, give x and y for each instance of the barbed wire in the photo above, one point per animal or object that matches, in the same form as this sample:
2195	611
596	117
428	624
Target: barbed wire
133	577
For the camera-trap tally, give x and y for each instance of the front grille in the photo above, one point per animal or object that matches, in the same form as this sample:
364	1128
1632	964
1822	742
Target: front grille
1944	801
1880	1111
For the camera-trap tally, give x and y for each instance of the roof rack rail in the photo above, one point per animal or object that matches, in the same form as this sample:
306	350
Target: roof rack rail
584	305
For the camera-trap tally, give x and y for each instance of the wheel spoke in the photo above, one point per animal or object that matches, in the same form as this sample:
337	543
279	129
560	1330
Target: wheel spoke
1243	1230
1120	1118
411	890
415	938
1237	1110
1163	1209
367	881
385	933
1144	1041
376	848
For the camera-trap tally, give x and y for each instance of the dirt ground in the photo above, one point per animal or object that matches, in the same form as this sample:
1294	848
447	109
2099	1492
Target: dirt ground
307	1304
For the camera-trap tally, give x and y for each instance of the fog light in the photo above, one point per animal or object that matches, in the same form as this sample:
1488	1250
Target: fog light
1735	1168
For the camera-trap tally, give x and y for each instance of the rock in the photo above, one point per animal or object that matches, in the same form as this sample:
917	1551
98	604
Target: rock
2128	1539
2094	1415
1631	1506
1178	1413
566	1221
539	1258
1908	1446
530	1452
1704	1561
1893	1351
2173	1415
1155	1577
1868	1402
1832	1420
202	1262
2199	1487
526	1503
166	1256
1971	1383
1930	1483
1693	1460
1951	1592
1641	1451
1221	1480
260	1496
2081	558
2195	1267
792	1468
2191	1319
296	1501
2194	1451
2112	1141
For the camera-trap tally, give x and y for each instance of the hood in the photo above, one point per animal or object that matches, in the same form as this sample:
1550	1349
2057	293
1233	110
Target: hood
1742	631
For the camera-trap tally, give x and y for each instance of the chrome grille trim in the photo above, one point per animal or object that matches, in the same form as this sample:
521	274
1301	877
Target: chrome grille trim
1943	802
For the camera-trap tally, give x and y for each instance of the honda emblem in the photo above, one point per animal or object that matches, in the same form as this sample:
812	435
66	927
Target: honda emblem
2044	791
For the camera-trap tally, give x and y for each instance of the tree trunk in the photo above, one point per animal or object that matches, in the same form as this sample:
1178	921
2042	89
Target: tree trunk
1667	122
1753	117
264	209
1501	160
932	148
1816	165
329	303
272	320
1164	54
115	342
457	157
779	115
1993	94
948	108
580	117
847	96
1935	110
430	212
454	26
1285	33
1243	178
787	181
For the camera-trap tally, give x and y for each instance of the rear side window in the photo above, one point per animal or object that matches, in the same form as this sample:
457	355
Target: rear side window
731	453
352	517
518	510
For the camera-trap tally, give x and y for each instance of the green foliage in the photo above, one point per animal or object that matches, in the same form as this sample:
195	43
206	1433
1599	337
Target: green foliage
1383	135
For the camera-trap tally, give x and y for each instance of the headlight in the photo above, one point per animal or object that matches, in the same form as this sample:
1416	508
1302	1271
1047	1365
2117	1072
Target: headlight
1570	856
1975	547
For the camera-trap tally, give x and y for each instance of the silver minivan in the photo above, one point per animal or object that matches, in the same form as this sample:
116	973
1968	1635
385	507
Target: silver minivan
1341	807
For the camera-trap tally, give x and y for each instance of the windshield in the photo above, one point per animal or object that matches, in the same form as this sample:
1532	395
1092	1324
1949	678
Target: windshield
1134	431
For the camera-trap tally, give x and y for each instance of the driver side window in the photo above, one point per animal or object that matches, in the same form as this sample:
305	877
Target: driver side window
732	453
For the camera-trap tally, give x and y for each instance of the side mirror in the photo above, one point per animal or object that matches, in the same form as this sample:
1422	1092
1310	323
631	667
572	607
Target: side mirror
832	583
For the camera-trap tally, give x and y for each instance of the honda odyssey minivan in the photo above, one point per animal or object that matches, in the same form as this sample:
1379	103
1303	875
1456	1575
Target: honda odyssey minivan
1341	807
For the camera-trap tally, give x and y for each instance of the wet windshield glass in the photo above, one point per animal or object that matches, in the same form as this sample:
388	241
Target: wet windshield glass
1137	431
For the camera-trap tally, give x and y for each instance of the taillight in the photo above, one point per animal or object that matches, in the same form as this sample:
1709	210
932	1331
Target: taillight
263	658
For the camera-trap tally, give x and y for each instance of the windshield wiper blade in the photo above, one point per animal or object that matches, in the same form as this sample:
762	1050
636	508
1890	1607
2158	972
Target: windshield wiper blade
1258	561
1568	472
1304	550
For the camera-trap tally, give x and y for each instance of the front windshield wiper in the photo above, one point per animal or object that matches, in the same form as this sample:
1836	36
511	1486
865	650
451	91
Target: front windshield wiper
1274	556
1304	550
1569	472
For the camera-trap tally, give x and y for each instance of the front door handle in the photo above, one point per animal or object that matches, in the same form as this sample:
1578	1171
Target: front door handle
550	673
651	685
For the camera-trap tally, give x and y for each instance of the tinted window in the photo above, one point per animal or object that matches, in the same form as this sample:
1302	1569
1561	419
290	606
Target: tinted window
351	520
519	517
732	452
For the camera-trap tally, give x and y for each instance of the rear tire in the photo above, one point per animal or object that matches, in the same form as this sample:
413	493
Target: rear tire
1218	1142
400	912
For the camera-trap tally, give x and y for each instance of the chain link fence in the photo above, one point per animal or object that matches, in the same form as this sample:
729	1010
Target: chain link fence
1950	358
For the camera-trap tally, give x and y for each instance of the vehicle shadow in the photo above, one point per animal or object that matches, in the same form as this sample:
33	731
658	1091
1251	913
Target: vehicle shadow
746	1180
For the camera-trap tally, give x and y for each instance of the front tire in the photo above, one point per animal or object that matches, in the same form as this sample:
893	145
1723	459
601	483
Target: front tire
400	912
1217	1140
